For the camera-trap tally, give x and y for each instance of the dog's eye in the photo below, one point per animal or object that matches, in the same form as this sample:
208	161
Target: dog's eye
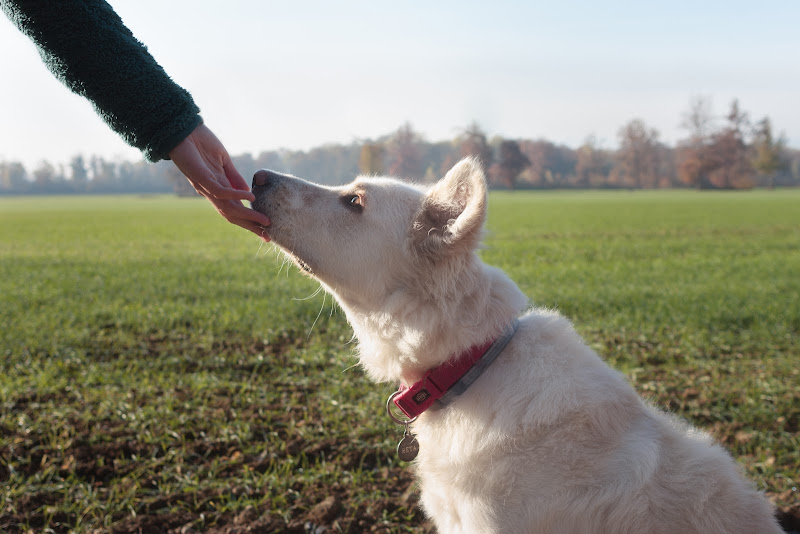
354	202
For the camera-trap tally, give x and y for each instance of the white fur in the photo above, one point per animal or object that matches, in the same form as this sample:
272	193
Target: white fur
549	439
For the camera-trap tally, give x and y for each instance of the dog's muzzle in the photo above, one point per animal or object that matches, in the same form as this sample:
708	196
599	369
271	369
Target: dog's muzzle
264	179
263	186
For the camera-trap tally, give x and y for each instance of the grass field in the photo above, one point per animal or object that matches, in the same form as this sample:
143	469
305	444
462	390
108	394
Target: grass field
160	370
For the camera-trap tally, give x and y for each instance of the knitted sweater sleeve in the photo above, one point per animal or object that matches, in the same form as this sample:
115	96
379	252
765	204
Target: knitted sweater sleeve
87	46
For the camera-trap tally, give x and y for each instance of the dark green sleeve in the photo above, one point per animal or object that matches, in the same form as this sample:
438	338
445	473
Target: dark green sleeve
86	45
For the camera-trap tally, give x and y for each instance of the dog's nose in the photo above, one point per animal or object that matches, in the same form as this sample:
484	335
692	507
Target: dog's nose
261	177
265	178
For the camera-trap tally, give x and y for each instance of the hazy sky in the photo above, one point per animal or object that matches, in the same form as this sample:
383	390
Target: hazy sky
296	74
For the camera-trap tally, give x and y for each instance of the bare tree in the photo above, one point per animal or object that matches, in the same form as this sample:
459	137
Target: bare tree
13	177
370	160
692	154
638	156
716	158
592	165
404	153
699	120
78	172
472	142
768	159
509	165
44	175
551	165
730	166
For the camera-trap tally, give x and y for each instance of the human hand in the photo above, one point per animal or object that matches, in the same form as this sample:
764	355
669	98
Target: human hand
208	167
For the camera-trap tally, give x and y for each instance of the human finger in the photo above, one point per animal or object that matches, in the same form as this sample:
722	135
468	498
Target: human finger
213	189
234	210
255	226
235	178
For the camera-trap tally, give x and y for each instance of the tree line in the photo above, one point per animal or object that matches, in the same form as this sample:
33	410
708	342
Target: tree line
730	152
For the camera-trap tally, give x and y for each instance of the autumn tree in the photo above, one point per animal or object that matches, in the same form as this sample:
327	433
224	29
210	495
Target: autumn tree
268	160
104	174
638	156
768	152
730	166
370	161
725	156
692	154
78	172
44	175
510	163
13	176
718	158
473	142
405	154
699	119
551	165
592	165
438	158
540	154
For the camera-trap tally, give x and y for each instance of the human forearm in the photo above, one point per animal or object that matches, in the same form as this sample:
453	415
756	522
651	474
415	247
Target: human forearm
87	46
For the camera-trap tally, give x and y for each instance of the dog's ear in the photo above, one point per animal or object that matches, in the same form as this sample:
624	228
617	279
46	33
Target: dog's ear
453	211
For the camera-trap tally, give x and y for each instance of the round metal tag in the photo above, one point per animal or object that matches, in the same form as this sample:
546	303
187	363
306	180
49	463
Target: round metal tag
408	448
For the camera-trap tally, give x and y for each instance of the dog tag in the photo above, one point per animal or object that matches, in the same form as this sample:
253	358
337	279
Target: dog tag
408	448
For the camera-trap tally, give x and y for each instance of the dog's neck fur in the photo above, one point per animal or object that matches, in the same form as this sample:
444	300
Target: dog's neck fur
397	343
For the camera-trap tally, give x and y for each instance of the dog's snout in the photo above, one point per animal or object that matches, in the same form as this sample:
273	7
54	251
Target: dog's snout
261	177
265	178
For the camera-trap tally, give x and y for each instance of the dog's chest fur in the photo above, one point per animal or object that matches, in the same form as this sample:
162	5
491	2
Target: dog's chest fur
550	439
522	433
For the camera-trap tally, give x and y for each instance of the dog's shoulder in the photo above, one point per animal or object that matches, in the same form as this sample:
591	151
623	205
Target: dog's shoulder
545	333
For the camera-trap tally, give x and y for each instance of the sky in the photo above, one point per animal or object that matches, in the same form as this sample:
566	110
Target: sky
295	75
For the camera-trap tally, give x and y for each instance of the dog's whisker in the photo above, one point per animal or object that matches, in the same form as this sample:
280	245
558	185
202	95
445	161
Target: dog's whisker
311	296
346	369
260	246
322	307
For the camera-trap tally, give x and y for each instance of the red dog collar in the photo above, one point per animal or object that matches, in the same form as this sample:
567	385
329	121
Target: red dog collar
442	384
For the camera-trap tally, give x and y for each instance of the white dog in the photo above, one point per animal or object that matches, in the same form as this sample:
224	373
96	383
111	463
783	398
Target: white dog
540	435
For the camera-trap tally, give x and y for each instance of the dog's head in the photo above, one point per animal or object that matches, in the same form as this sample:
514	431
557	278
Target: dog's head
399	258
375	237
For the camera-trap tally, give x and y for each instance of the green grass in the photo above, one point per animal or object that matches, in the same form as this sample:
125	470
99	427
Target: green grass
159	368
